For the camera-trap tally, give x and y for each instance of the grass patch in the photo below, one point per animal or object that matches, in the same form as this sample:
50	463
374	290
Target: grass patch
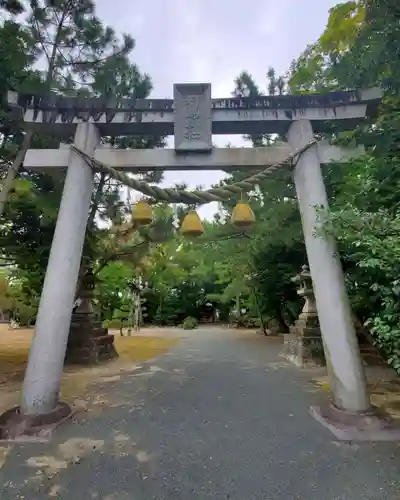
14	351
384	394
143	348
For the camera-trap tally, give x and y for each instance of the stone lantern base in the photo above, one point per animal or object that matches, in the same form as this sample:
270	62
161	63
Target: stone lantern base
303	345
303	350
89	342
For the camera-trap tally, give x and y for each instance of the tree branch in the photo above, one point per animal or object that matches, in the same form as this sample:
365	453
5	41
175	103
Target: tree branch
95	62
96	201
120	253
42	43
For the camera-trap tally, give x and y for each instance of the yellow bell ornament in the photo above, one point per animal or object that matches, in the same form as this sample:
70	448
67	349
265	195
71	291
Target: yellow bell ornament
142	213
243	215
192	225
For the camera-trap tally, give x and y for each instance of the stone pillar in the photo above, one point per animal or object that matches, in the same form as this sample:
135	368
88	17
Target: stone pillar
46	358
346	373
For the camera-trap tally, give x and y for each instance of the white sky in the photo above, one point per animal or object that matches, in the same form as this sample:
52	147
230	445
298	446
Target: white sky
212	41
182	41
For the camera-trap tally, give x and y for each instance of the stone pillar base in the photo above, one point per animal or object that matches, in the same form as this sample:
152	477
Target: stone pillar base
348	426
15	426
303	351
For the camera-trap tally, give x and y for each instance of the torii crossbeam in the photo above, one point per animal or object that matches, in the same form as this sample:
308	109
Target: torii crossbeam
141	160
236	115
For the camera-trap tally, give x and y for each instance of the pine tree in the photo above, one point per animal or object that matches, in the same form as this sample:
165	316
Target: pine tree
82	56
73	44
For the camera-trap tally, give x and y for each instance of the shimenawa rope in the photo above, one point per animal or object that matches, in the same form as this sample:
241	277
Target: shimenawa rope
197	197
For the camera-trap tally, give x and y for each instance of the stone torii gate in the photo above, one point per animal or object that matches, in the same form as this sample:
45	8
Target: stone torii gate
192	117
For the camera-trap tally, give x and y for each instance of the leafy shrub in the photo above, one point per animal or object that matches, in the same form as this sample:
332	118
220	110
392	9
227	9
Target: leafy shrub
189	323
245	321
114	323
385	326
370	245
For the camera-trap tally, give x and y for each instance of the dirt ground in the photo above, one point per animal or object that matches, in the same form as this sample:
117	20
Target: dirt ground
14	350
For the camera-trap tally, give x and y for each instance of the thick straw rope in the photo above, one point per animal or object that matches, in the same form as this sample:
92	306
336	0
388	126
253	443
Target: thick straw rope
191	197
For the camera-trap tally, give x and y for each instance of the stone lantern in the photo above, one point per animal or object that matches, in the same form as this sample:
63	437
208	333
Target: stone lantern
303	345
88	342
309	313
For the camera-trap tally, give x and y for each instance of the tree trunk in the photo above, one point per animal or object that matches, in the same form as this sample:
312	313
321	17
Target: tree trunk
263	326
96	201
13	170
283	327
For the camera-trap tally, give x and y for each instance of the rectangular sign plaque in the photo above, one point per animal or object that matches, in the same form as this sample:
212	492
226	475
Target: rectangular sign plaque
192	117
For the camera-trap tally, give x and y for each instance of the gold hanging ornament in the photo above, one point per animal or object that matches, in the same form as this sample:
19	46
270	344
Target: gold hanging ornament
192	225
142	213
242	215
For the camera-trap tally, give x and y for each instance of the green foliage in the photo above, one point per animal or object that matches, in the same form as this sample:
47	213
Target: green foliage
359	49
112	288
79	55
6	299
316	68
189	323
73	41
114	324
12	6
245	321
17	299
366	222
